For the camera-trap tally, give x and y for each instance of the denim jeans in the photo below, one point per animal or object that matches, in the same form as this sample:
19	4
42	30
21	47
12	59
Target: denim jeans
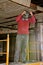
21	43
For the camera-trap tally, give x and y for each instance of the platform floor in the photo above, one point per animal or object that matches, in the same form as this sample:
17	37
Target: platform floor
37	63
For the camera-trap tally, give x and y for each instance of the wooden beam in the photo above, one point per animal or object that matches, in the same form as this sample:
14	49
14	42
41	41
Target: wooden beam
39	8
22	2
28	5
32	6
3	1
8	31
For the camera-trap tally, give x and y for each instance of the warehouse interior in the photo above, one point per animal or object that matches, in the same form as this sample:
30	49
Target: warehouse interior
9	10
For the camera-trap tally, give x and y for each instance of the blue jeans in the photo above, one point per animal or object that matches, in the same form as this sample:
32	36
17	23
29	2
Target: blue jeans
21	42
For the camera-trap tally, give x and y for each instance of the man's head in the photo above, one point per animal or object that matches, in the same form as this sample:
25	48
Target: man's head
26	15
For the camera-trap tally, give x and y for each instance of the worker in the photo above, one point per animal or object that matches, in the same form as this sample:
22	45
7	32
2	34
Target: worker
23	20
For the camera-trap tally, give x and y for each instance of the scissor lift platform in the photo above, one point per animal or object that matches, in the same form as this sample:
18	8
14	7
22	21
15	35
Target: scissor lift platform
37	63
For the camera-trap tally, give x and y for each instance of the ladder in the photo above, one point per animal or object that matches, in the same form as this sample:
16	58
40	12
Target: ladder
7	49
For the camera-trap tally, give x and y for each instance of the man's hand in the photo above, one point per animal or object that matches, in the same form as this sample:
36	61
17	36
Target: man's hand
24	12
31	13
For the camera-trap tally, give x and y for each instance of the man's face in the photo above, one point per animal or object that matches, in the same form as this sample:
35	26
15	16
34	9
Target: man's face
26	15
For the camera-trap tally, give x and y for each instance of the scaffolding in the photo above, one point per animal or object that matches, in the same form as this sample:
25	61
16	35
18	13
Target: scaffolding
7	49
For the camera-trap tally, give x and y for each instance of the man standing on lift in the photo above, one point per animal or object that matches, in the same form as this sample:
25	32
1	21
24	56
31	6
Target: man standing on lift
23	20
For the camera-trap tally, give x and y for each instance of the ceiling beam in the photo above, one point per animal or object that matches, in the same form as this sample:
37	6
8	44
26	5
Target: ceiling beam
1	1
39	8
22	2
30	5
